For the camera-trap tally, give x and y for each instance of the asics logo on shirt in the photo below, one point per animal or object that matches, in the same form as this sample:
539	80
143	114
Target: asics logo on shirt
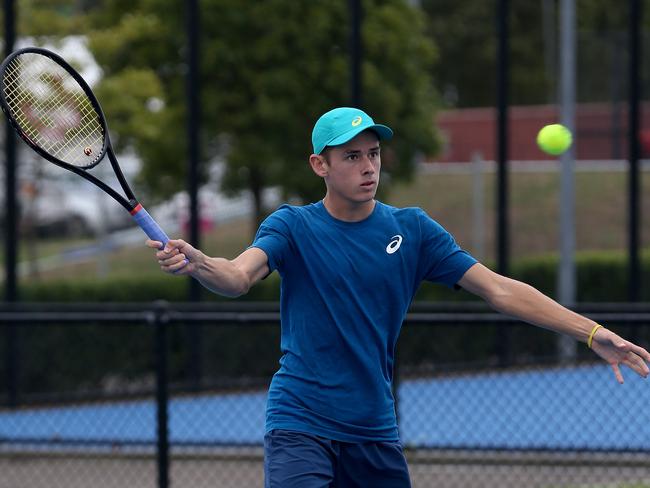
394	244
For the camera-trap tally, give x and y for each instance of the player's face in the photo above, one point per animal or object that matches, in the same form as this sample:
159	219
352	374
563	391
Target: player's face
353	168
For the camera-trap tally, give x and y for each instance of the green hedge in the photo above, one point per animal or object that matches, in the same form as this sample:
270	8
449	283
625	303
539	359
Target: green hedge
132	288
601	277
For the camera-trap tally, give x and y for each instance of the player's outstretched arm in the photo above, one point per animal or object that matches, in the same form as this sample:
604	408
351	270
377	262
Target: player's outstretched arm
230	278
524	302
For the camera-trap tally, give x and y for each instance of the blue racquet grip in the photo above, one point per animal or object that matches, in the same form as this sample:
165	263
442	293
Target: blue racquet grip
149	225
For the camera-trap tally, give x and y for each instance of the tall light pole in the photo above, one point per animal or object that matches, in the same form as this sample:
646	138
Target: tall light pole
567	270
192	90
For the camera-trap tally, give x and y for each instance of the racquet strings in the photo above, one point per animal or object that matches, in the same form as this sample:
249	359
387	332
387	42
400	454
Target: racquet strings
52	110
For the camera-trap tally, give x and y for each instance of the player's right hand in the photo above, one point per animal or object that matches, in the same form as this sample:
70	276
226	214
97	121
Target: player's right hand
177	257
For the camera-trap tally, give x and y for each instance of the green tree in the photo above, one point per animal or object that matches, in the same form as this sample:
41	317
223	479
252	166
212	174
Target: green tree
49	19
268	69
466	30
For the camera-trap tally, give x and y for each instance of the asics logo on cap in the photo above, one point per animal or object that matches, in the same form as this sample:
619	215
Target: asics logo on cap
356	121
394	244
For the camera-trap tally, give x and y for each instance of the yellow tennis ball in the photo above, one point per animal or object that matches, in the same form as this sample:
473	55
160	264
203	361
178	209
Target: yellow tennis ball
554	139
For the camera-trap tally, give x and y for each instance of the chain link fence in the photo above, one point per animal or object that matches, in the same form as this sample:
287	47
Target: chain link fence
111	396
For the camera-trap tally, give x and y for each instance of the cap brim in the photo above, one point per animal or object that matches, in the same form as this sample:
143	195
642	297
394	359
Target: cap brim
383	132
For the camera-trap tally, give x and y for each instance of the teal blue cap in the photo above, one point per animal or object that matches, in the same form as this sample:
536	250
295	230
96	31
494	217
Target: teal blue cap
340	125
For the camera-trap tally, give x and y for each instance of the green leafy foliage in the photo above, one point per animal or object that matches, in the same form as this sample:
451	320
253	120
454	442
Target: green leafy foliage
467	30
50	19
268	70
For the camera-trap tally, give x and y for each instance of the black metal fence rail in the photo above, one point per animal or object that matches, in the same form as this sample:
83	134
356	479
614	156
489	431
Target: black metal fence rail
161	315
250	313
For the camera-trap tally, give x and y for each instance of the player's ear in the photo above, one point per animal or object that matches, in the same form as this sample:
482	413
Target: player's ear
319	165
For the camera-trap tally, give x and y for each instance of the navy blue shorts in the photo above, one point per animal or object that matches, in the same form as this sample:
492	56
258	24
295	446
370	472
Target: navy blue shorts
299	460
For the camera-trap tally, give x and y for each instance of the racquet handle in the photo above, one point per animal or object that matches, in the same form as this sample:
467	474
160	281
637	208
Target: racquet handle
149	225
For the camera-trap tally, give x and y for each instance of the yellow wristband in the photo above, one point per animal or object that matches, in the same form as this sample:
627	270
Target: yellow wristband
591	336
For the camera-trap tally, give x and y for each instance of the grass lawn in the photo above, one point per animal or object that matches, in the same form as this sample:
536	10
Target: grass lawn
534	198
601	221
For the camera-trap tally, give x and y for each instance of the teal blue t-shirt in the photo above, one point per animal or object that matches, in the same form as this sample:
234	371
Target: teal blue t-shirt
345	290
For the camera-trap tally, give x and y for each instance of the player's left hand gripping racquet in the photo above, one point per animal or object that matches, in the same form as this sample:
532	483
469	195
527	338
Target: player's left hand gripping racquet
56	113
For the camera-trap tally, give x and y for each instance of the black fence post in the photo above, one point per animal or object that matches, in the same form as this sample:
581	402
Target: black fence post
356	53
11	363
193	100
11	225
634	152
503	232
159	319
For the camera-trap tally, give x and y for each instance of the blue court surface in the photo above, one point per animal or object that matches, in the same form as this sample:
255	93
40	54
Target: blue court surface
569	408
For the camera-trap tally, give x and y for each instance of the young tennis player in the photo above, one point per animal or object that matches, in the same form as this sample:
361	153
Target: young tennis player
350	266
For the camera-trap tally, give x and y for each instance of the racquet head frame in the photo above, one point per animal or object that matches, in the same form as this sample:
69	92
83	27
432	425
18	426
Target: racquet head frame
129	202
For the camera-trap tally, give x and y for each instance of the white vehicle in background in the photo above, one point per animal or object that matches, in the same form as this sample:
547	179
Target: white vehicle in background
214	208
55	210
53	202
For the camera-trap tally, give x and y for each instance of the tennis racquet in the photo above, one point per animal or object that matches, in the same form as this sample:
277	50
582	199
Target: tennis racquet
55	112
